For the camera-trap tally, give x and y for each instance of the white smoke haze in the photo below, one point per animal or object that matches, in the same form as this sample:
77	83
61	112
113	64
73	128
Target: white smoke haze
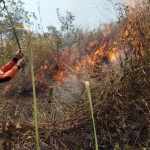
134	3
71	86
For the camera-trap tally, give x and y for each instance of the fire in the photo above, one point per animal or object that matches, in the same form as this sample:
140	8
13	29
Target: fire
59	76
77	68
45	67
113	55
95	57
73	65
102	55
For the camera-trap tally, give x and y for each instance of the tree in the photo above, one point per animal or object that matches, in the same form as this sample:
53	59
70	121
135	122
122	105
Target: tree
67	26
16	14
55	38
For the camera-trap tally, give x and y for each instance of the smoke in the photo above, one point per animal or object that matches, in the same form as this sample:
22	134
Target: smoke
134	3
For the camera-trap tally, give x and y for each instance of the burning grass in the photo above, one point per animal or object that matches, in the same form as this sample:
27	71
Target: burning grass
121	105
121	101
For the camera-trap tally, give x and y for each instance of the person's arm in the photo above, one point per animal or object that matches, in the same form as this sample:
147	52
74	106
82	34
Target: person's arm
13	62
8	71
9	65
9	74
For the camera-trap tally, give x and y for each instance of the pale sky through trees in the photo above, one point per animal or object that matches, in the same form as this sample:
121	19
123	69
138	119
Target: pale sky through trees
88	13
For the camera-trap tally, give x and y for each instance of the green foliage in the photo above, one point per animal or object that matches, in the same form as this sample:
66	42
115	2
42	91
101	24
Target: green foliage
66	22
67	26
17	14
55	38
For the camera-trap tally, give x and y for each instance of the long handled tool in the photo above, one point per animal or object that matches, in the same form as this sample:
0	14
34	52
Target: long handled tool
10	19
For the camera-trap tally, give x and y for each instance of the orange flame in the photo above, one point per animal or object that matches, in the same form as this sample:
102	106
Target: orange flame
99	52
72	64
77	68
113	55
59	76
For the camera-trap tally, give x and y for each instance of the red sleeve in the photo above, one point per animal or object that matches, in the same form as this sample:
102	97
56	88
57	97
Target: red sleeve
9	74
8	66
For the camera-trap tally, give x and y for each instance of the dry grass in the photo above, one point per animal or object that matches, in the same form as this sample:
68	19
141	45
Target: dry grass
121	104
121	97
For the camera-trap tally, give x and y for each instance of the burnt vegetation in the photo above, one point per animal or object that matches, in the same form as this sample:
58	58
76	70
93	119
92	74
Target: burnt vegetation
115	58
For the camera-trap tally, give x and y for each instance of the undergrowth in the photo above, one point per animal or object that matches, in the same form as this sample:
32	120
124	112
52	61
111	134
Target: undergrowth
119	90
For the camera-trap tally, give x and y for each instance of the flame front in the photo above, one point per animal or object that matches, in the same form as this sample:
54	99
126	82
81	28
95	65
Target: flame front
73	65
102	57
96	57
59	76
113	55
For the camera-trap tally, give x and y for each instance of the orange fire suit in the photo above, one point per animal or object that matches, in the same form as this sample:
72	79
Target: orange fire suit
9	70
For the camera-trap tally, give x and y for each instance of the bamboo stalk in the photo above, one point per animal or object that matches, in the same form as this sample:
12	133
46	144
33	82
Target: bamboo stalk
34	92
87	87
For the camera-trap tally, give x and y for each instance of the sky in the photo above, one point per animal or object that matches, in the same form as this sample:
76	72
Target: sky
88	14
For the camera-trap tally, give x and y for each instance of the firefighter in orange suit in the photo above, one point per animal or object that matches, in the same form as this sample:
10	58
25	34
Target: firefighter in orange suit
9	70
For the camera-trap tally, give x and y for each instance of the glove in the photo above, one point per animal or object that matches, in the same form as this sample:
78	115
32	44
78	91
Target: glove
20	63
19	54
